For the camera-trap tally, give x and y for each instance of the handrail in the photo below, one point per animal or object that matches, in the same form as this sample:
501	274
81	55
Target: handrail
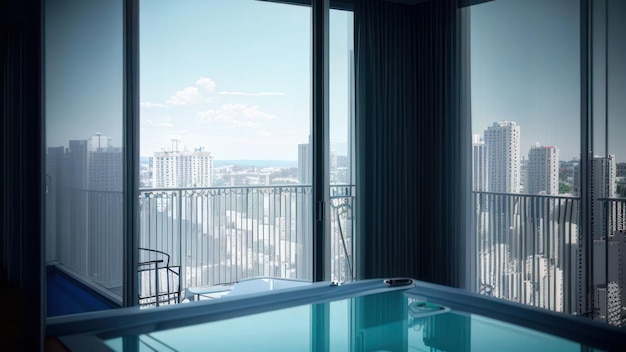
167	268
157	251
254	230
526	195
162	189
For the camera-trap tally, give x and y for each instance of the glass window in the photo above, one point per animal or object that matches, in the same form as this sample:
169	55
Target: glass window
225	134
84	170
525	108
549	228
607	161
341	158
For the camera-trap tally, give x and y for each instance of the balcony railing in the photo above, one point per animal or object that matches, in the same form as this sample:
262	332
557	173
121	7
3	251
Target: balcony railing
529	249
210	236
84	236
222	235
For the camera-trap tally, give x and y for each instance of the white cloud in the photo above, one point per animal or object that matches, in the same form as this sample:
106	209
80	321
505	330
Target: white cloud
193	94
241	115
233	108
206	83
245	124
263	132
147	104
166	124
183	97
257	94
201	93
255	112
209	115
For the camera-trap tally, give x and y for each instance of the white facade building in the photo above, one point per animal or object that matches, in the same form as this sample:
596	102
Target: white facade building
543	170
503	153
106	169
183	169
480	165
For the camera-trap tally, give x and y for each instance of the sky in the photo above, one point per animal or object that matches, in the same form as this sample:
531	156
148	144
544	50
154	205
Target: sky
526	68
233	77
83	70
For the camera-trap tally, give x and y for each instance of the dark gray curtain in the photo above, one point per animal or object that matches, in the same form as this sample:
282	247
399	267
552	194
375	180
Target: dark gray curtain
410	142
21	178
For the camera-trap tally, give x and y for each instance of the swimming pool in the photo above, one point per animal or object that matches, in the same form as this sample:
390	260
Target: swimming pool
362	316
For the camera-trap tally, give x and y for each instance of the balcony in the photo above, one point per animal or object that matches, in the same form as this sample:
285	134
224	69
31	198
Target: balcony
196	237
530	249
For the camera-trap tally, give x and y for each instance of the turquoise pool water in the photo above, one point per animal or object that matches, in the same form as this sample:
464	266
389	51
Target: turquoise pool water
379	322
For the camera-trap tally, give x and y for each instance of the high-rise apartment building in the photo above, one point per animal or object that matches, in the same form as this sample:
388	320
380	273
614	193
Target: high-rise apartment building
609	270
105	169
78	167
503	154
305	163
95	164
604	173
542	170
98	142
86	181
183	169
603	185
523	174
480	162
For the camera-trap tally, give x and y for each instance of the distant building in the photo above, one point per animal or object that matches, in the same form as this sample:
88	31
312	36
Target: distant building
174	169
480	164
603	185
503	155
77	159
620	170
603	177
543	170
95	164
84	208
105	169
604	173
98	142
610	296
523	175
305	163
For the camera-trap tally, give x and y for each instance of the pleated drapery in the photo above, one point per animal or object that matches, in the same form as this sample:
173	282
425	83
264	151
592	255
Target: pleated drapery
410	142
22	176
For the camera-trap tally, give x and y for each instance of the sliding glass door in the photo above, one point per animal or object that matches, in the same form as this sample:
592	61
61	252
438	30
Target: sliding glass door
84	155
225	167
547	89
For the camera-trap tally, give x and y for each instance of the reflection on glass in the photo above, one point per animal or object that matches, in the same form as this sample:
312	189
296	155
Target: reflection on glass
525	99
608	161
341	158
84	119
374	322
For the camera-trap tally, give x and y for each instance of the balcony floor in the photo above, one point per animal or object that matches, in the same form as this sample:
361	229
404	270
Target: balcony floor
67	296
